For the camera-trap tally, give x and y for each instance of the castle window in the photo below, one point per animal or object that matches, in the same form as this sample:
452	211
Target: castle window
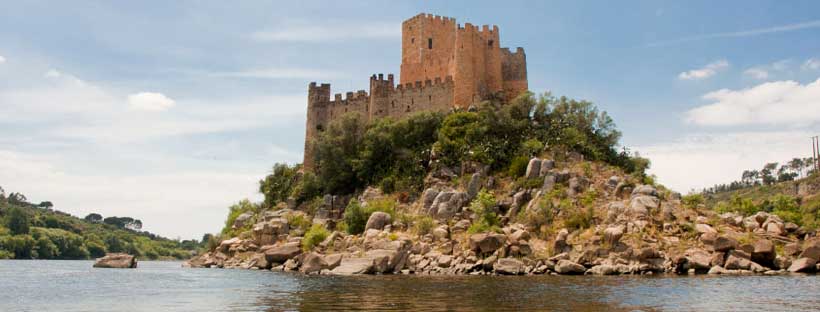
320	128
490	43
412	40
430	43
408	108
430	97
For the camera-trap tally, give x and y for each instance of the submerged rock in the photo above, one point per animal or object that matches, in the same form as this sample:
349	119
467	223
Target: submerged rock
116	261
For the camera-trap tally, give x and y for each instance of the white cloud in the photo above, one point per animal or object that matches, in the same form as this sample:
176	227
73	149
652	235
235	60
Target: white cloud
299	31
707	71
742	33
703	160
2	59
765	71
150	101
282	73
757	73
772	103
811	64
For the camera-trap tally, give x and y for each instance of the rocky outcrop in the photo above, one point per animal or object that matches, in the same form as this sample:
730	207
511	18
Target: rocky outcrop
116	261
377	221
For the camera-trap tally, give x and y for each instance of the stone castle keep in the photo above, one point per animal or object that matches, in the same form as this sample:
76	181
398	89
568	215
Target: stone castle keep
443	66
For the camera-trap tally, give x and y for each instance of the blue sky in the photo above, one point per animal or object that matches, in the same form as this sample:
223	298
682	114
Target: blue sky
171	111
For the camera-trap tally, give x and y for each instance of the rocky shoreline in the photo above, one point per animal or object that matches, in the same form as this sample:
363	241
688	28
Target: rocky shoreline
636	229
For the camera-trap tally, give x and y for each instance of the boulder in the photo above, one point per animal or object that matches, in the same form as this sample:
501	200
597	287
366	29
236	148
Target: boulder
330	262
533	168
474	185
509	266
441	232
577	185
775	228
378	220
546	166
242	219
613	235
519	199
699	260
265	232
519	235
613	181
461	226
763	252
737	260
614	211
484	243
645	190
812	251
569	267
803	265
428	197
562	176
641	205
704	228
724	243
446	204
603	269
116	261
280	254
311	263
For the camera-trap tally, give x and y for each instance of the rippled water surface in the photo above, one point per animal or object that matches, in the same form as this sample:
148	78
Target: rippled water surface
165	286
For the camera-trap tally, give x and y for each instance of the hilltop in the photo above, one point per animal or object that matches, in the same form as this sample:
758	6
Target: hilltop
534	185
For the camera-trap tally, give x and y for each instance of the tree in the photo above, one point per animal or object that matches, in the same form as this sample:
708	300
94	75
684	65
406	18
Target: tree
768	173
797	165
45	205
277	186
17	221
18	199
93	218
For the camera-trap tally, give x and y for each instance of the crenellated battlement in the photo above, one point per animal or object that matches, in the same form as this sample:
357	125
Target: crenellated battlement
445	65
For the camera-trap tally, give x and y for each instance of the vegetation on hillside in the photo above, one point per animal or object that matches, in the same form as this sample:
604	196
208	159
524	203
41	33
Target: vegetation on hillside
36	231
396	154
773	189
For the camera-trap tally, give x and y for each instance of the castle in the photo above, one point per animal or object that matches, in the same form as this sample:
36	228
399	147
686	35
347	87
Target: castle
443	66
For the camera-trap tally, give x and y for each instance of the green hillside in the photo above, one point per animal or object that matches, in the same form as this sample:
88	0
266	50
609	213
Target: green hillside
36	231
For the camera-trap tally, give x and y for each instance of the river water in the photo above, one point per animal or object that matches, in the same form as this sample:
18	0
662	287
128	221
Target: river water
165	286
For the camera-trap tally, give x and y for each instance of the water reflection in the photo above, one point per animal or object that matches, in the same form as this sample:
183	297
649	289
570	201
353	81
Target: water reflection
437	293
165	286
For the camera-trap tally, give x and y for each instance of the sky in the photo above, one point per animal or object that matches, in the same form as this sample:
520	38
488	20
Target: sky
171	111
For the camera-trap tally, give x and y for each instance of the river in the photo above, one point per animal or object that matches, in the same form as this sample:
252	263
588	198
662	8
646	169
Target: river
166	286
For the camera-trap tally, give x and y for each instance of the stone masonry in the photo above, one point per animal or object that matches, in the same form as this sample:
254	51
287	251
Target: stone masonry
444	66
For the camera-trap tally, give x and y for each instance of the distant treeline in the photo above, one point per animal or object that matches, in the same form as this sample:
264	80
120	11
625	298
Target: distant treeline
771	173
37	231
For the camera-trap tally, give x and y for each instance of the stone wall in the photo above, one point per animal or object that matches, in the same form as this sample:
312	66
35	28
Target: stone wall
444	66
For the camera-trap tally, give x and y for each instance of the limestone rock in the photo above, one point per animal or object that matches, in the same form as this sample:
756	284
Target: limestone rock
533	168
569	267
428	197
242	219
812	251
484	243
803	265
311	263
280	254
378	220
446	204
763	252
474	185
724	243
509	266
613	234
116	261
704	228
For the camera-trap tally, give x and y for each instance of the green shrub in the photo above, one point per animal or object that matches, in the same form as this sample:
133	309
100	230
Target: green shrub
424	225
580	218
235	210
692	201
484	208
298	221
314	236
355	217
518	166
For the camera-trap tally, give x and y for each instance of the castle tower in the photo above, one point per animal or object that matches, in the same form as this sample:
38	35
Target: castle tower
443	66
437	47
